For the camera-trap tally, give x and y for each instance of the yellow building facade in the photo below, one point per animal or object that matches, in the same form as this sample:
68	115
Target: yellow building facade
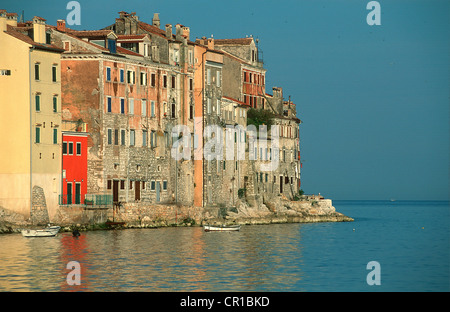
30	117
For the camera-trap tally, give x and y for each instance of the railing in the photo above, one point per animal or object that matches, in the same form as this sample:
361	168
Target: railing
90	200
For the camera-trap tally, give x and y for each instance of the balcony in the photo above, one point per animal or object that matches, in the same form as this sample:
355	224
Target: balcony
74	125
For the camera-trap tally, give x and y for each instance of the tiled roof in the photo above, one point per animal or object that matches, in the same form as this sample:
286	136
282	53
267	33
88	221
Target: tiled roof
90	33
237	41
152	29
12	31
131	37
126	51
237	101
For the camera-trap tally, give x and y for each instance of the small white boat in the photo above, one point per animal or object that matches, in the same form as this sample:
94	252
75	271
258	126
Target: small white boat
49	231
221	228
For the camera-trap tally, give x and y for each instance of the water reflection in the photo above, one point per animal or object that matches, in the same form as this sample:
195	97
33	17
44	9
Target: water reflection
256	258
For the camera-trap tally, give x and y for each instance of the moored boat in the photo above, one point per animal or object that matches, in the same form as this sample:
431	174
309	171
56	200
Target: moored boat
49	231
221	228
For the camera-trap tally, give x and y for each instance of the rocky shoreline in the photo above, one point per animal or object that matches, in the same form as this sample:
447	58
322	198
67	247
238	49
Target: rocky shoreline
309	210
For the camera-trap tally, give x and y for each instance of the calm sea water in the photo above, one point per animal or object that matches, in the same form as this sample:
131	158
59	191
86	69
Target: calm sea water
409	239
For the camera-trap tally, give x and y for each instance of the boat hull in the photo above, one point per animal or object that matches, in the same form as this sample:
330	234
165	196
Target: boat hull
211	228
47	232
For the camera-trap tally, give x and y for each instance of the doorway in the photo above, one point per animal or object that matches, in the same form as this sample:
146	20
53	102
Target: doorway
77	193
281	184
69	193
137	190
115	191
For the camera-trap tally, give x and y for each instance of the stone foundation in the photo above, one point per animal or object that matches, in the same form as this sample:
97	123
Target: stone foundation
142	215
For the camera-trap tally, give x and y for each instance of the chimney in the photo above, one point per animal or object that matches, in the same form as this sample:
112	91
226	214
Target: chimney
61	25
11	19
211	43
186	32
155	21
39	29
3	20
178	32
169	31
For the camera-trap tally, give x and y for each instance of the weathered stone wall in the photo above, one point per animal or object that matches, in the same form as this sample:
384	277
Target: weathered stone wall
39	213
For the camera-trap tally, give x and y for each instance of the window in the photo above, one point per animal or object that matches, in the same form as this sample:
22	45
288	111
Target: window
218	107
191	84
144	79
152	185
109	101
108	73
66	45
153	80
78	148
36	71
54	73
122	184
144	137
55	103
109	184
218	80
208	76
70	148
164	185
146	49
152	108
122	106
173	82
38	102
165	81
130	77
64	148
132	138
144	107
5	72
109	136
116	137
122	79
112	45
38	135
153	142
122	137
191	111
173	108
131	106
55	136
208	105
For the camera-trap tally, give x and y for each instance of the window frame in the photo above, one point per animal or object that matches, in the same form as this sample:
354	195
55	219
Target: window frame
78	148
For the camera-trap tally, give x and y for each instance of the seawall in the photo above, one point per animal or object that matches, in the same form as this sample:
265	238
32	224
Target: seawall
141	215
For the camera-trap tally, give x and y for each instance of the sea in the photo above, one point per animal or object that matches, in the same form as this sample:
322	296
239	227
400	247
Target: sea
392	246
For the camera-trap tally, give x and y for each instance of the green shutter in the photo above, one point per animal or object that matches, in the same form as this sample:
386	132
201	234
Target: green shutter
38	102
38	135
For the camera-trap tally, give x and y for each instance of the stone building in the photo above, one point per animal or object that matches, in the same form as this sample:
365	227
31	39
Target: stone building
141	90
175	53
244	80
124	97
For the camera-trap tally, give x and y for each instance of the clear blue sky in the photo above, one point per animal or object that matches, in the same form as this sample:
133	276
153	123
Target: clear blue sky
374	100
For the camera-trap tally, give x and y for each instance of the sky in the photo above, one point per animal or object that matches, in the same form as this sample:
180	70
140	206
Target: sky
373	100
